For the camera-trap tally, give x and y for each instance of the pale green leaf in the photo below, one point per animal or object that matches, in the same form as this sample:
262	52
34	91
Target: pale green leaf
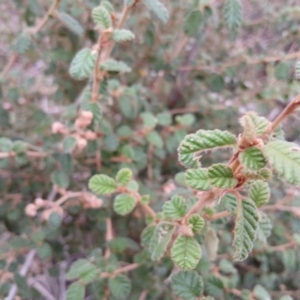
233	14
146	235
112	65
245	229
259	192
193	22
158	9
82	64
122	35
70	22
284	157
186	119
297	70
155	139
260	293
102	184
211	243
108	5
84	270
260	124
197	179
124	176
160	240
175	208
221	176
185	252
69	144
119	286
286	297
214	287
253	158
22	43
229	202
264	228
187	285
75	291
101	17
124	204
196	221
203	140
60	178
149	119
44	251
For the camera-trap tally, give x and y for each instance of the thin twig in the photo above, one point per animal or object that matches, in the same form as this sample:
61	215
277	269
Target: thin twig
109	235
120	270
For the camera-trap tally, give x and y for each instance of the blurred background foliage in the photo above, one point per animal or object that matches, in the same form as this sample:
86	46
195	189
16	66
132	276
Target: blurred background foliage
191	73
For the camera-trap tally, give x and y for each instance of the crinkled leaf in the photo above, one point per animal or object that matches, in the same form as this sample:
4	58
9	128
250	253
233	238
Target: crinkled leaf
253	158
203	140
122	35
124	204
229	202
119	286
102	184
146	235
259	123
124	176
60	178
259	192
82	64
101	17
214	286
112	65
160	240
197	179
75	291
185	252
69	144
245	229
284	157
233	14
193	22
158	9
22	43
196	221
175	208
187	285
155	139
70	22
264	228
221	176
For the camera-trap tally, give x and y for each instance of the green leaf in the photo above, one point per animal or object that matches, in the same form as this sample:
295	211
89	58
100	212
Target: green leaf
253	158
19	147
60	178
282	71
122	35
197	179
102	184
82	64
55	220
297	70
124	204
155	139
233	14
214	287
211	243
124	176
284	157
245	229
187	285
149	119
158	9
221	176
264	228
260	293
203	140
22	43
108	5
175	208
112	65
186	119
6	145
259	123
286	297
164	118
160	240
102	17
146	235
70	22
119	286
44	251
259	192
75	291
197	222
69	144
185	252
75	269
193	22
229	202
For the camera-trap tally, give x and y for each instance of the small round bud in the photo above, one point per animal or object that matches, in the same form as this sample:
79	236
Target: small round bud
90	135
81	143
84	114
39	202
57	127
30	210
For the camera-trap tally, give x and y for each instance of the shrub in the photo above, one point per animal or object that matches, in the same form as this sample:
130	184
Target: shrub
111	185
